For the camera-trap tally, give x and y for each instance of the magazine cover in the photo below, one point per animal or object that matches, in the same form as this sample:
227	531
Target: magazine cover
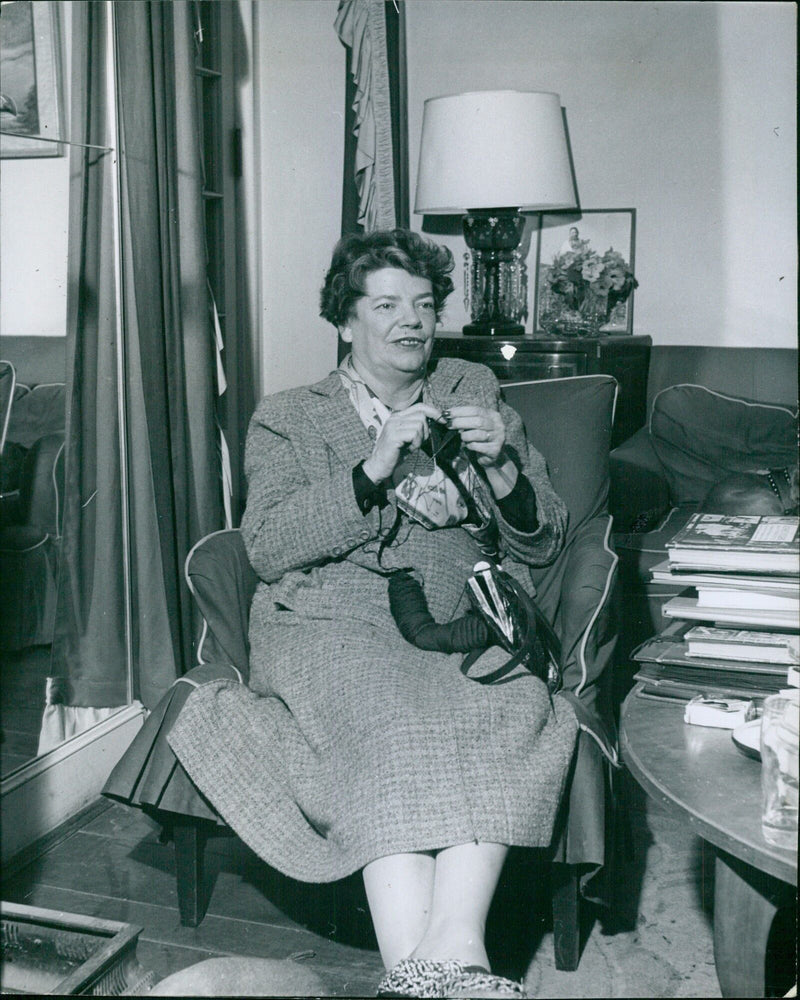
744	644
750	532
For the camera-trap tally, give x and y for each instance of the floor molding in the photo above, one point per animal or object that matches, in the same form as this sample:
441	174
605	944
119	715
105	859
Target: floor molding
39	797
55	837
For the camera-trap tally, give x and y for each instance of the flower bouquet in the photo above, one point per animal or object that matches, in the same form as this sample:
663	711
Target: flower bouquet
582	291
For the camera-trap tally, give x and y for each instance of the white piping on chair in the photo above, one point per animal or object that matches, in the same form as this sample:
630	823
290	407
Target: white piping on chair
610	752
48	385
30	548
600	604
187	680
566	378
200	661
7	416
56	493
571	378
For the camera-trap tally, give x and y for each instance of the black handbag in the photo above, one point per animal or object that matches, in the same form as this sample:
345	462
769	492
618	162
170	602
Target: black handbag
516	623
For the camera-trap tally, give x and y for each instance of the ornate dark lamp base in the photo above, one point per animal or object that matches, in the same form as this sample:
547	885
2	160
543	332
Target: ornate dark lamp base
495	284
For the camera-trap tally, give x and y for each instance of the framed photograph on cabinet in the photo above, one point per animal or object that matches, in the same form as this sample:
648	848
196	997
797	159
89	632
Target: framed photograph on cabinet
585	273
30	78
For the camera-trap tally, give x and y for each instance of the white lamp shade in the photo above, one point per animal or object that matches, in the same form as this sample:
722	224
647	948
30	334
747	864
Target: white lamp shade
493	149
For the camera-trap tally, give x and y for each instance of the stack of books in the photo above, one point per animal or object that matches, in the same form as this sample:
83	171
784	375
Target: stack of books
735	630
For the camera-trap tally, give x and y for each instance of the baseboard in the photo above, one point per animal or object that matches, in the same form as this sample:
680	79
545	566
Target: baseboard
50	840
52	788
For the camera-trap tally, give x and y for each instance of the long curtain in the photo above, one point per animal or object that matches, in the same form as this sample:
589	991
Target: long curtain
375	184
375	176
165	357
175	481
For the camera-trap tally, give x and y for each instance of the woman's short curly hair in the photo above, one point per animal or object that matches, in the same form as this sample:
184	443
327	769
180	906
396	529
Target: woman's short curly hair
358	255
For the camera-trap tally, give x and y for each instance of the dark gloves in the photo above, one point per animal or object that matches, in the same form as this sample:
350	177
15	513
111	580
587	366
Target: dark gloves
417	626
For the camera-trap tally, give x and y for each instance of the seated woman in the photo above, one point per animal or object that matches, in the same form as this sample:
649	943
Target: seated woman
352	748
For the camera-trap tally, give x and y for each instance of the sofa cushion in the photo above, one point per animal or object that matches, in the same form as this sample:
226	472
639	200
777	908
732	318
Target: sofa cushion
569	421
701	436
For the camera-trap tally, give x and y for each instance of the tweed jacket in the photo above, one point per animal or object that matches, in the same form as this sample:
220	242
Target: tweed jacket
301	510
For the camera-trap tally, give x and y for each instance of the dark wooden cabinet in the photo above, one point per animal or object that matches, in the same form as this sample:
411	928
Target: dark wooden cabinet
521	358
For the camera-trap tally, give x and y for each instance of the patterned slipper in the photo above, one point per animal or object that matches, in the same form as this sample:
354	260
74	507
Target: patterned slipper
473	981
421	977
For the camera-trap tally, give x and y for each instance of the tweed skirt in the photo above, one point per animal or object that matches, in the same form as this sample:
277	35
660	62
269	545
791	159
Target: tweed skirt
367	746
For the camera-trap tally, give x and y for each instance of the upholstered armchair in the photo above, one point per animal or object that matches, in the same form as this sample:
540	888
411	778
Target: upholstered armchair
569	421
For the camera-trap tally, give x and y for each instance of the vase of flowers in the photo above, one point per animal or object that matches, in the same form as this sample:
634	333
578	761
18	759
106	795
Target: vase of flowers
582	288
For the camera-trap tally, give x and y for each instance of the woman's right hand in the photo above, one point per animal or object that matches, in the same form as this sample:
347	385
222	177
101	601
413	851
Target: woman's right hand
405	430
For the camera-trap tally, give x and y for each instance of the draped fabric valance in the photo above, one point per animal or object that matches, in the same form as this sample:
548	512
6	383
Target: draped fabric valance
376	172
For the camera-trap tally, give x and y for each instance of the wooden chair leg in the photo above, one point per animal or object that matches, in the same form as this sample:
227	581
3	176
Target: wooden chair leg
190	840
566	916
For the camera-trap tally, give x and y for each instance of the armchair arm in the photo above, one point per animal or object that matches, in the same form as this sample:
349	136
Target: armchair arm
584	621
576	592
638	484
588	631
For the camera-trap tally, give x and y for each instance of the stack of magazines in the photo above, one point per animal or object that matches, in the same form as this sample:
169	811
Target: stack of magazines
735	630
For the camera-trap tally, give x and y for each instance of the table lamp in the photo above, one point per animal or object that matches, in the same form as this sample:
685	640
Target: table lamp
489	155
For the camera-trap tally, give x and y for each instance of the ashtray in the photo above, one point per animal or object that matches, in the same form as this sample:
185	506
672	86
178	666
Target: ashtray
747	738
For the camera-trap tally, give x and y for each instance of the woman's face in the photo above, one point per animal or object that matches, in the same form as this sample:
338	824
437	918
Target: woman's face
392	325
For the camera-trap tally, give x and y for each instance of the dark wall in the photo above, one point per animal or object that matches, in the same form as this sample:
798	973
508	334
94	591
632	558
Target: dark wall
766	374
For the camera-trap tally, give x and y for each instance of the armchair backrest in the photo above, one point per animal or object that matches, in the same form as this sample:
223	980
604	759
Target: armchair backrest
569	421
223	582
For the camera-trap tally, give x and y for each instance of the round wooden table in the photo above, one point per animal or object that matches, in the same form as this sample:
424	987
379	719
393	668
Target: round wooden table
699	771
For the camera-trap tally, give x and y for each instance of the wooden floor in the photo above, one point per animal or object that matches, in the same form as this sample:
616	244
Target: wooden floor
655	940
116	868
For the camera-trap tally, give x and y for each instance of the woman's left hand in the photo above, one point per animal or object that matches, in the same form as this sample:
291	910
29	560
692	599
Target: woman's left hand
481	430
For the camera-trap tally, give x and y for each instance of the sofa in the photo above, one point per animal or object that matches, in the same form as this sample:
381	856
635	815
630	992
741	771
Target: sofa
697	433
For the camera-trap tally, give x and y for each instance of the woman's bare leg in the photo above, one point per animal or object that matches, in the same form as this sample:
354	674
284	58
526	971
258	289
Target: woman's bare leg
464	883
399	892
434	907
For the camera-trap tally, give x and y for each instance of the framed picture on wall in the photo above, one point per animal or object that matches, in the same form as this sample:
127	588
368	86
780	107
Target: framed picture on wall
584	278
30	78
